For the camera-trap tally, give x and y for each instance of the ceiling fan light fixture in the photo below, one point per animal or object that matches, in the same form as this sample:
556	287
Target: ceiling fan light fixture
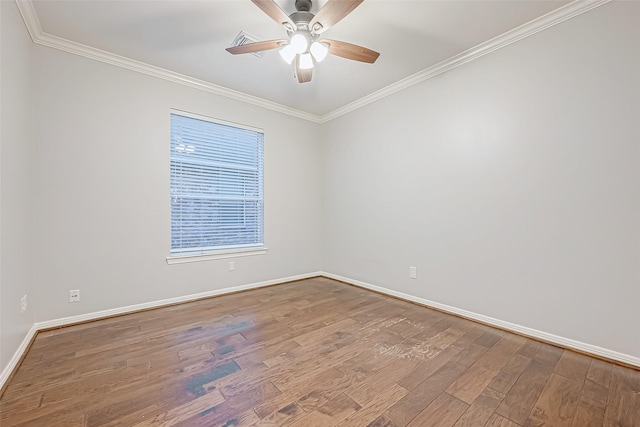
303	43
288	53
299	43
319	51
306	62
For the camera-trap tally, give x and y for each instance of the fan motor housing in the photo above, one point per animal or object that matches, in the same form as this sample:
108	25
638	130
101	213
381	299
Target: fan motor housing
301	19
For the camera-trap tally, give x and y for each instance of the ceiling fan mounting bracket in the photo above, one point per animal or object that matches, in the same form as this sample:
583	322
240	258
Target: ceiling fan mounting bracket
303	5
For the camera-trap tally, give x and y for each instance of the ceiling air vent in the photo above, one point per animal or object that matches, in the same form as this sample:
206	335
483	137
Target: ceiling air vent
244	38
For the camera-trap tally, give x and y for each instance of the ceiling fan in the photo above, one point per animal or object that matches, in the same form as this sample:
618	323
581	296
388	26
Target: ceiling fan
304	44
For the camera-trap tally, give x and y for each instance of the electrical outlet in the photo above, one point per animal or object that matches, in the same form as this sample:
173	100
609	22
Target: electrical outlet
74	295
232	265
23	303
413	273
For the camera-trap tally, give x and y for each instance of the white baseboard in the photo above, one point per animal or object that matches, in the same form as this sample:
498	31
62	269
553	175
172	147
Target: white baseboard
522	330
513	327
66	321
17	356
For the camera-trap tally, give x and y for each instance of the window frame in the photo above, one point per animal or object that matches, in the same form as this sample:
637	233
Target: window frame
212	254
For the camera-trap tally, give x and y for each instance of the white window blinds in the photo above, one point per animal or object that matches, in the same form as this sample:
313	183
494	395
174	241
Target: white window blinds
216	186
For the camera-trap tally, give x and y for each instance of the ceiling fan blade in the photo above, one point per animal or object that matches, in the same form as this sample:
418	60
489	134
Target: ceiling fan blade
351	51
255	47
271	8
331	14
304	76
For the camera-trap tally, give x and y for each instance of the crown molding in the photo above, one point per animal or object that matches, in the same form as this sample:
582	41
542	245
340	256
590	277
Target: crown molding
151	70
30	18
40	37
552	18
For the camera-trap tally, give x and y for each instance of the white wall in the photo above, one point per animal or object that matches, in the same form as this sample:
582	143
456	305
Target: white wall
102	189
16	181
511	182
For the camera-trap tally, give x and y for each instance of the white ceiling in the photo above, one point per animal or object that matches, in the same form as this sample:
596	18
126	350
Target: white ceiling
190	37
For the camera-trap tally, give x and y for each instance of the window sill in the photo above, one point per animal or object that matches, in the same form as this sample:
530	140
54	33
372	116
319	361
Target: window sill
177	259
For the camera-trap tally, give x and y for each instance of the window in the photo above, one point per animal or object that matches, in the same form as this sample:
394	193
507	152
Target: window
216	187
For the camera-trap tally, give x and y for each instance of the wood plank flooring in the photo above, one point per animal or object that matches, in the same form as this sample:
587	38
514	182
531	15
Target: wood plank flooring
310	353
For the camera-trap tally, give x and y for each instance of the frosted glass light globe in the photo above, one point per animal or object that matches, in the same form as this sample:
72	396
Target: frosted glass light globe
306	62
319	51
299	43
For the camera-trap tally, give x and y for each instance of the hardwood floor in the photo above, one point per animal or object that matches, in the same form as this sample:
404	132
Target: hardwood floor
309	353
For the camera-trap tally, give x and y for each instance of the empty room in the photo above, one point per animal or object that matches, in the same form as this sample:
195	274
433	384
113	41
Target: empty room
378	213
